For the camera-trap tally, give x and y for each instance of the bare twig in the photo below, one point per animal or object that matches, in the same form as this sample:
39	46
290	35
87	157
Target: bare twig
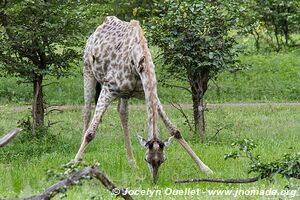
216	84
50	83
177	86
9	136
24	82
73	179
53	123
55	105
219	129
246	180
54	109
179	107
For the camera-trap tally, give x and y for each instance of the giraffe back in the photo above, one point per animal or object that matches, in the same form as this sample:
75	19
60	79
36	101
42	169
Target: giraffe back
108	56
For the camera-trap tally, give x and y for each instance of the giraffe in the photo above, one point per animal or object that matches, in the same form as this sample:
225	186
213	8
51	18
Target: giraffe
117	56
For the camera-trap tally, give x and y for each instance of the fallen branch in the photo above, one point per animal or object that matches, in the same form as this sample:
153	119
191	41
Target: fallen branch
55	189
247	180
73	179
109	185
9	136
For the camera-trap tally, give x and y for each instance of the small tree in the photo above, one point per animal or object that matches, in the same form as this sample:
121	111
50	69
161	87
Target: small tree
39	38
280	17
135	9
277	18
195	45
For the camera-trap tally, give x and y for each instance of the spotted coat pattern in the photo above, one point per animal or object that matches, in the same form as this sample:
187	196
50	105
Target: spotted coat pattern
117	56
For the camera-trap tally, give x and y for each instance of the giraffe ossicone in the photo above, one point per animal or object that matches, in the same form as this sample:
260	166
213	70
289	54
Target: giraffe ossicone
117	56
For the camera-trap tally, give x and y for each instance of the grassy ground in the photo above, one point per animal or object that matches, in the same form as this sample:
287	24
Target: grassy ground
271	77
24	162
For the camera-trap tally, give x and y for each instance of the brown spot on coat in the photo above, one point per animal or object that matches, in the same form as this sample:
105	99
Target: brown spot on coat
113	56
106	64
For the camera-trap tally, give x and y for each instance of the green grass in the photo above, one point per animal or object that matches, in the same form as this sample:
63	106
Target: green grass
24	162
272	77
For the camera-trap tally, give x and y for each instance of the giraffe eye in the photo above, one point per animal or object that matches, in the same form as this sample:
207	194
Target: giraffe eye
150	145
161	145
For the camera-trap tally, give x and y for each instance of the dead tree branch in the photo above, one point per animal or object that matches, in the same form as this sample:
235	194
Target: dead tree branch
109	185
53	123
92	171
176	86
220	129
246	180
53	110
179	108
50	83
9	136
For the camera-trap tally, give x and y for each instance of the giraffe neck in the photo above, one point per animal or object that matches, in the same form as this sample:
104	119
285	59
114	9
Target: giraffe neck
150	82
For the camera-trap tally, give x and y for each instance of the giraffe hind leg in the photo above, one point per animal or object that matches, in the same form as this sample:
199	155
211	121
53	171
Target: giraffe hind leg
123	110
104	101
89	85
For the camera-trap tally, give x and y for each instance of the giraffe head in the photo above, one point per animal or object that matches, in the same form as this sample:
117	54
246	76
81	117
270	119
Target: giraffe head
155	156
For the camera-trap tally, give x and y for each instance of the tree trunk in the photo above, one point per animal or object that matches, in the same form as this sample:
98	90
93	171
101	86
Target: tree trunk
286	32
198	83
38	104
198	111
277	38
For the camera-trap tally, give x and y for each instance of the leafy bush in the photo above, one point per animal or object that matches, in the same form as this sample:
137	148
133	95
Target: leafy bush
288	165
29	145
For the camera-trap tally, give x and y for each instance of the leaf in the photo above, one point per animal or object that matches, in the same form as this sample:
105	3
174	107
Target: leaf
135	11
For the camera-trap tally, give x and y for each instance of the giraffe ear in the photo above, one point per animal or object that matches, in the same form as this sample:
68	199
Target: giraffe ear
168	141
142	141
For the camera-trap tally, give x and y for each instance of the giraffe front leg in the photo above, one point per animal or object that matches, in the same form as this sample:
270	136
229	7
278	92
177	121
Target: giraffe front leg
104	100
123	110
176	133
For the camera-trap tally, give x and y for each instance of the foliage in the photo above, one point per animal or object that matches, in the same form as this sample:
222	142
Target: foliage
194	34
36	33
196	45
136	9
266	19
40	38
248	85
26	146
64	172
251	84
288	165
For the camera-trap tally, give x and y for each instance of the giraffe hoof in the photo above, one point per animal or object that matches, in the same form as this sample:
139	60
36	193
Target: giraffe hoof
77	158
72	162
